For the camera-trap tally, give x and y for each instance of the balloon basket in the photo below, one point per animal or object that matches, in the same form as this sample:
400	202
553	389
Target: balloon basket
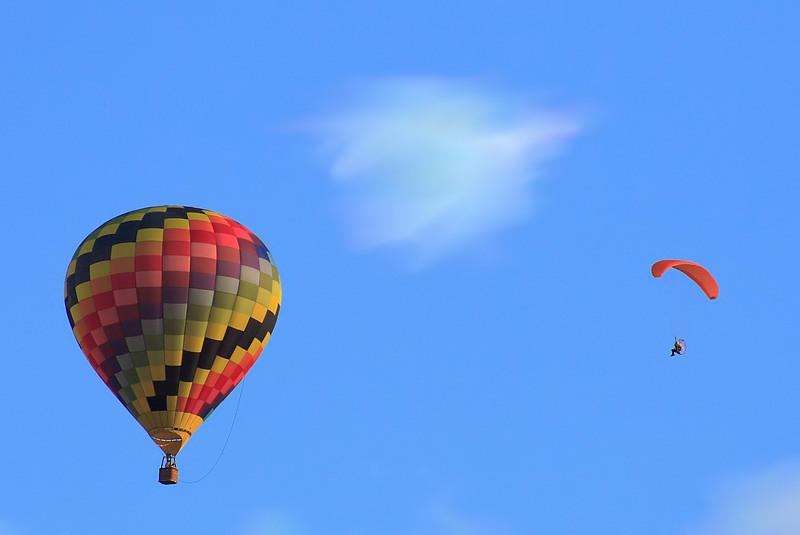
168	473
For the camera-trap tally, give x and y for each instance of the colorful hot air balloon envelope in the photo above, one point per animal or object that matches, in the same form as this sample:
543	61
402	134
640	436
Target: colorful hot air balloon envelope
172	305
700	275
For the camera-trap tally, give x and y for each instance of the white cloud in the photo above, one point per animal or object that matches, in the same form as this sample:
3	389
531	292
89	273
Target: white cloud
436	165
765	503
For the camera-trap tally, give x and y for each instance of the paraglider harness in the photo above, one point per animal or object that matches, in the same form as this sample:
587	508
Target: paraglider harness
679	348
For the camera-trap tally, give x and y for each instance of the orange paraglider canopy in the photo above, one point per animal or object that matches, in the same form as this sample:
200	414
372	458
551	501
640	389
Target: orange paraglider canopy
696	272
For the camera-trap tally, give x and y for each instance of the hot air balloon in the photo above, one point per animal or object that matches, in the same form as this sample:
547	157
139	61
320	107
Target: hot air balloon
172	306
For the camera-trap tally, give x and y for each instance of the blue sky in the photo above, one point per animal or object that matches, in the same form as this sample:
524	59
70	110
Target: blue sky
499	372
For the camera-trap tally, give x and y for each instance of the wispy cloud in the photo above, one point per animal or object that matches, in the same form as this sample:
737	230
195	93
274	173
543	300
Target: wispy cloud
442	519
765	503
8	527
435	165
433	519
263	522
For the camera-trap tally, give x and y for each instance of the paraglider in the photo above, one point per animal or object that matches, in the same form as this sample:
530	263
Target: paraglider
700	275
172	306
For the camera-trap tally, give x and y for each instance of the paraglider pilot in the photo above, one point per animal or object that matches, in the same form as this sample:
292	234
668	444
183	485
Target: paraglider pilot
678	348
